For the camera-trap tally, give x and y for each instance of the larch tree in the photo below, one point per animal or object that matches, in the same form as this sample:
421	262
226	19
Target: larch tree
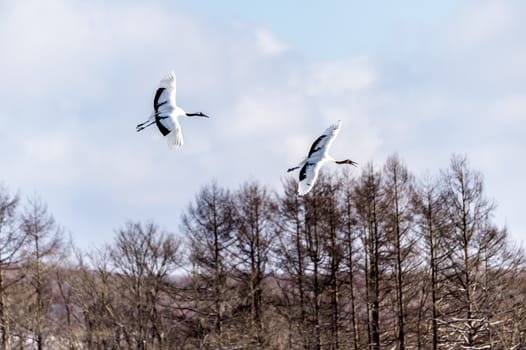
367	201
291	258
96	294
209	223
478	257
331	225
316	237
43	249
398	188
351	256
11	240
255	232
144	258
432	228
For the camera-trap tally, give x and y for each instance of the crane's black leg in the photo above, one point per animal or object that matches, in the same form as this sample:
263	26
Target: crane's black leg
292	169
144	125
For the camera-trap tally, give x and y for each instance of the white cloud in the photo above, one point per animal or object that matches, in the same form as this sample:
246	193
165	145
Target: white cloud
341	77
47	148
510	109
358	139
268	43
487	22
277	111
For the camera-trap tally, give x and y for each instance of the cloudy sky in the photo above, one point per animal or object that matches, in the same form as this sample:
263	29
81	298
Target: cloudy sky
422	80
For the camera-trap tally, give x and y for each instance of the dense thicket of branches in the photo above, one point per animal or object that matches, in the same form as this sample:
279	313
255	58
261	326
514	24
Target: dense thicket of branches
370	259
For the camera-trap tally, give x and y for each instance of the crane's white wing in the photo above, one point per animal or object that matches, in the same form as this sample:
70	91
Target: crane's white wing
168	82
308	175
164	107
169	127
175	138
321	146
318	154
164	100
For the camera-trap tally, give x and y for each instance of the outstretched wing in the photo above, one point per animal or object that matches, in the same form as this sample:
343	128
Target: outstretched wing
164	100
164	105
169	127
175	138
308	175
323	143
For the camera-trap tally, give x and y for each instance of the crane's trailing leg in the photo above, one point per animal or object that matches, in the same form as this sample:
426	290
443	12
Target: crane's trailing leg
298	166
149	122
144	125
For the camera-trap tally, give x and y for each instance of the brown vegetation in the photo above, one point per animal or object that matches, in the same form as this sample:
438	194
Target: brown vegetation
380	260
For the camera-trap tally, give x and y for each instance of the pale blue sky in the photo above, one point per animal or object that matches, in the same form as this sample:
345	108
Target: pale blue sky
336	29
424	81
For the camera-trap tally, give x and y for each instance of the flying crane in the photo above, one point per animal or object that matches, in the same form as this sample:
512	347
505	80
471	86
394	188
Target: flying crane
166	113
318	155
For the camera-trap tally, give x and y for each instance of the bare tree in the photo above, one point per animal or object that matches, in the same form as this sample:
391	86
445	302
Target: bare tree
477	259
316	252
291	255
255	232
351	254
398	188
144	258
430	218
210	223
367	200
11	240
66	323
372	262
331	223
97	295
41	253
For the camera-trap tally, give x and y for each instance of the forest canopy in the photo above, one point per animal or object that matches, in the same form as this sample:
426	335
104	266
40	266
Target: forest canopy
371	258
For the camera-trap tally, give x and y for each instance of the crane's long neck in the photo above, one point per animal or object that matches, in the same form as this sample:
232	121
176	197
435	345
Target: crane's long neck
346	161
197	114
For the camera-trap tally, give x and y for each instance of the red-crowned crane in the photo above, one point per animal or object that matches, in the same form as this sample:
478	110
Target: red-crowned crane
318	155
166	112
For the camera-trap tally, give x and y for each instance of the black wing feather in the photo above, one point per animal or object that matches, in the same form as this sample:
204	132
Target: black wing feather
314	147
156	103
303	171
163	129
